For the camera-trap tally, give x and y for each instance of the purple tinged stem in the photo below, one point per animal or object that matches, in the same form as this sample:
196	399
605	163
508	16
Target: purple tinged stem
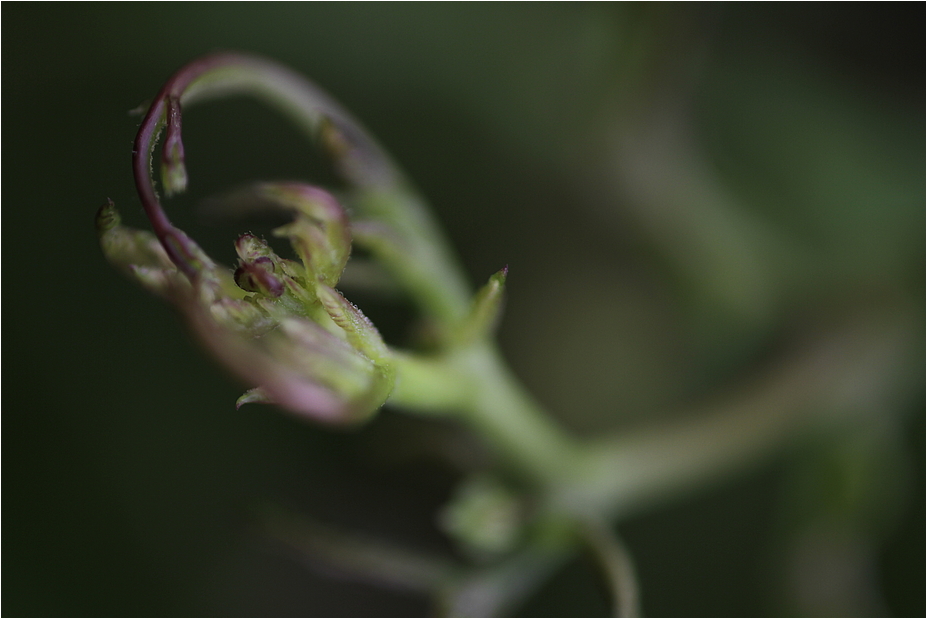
177	246
304	101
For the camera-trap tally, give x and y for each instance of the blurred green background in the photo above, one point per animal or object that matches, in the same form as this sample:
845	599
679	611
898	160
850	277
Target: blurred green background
676	189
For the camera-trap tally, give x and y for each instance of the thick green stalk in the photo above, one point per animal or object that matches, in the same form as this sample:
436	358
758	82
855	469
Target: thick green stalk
503	412
476	386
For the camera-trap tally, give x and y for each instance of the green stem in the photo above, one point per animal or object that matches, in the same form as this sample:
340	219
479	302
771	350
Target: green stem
617	566
840	377
503	411
477	386
832	378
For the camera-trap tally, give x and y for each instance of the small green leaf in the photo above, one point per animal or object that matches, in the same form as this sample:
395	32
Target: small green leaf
485	311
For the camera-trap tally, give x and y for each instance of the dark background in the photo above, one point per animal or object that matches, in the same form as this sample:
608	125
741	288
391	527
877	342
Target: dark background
129	478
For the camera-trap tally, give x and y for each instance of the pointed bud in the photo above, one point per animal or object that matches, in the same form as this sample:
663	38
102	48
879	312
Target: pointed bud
485	310
173	168
250	248
253	396
319	233
484	517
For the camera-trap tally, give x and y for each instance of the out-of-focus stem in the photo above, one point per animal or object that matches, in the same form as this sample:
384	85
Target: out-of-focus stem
617	566
832	378
508	417
839	376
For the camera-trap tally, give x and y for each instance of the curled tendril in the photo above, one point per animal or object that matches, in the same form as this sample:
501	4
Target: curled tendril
377	191
360	160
